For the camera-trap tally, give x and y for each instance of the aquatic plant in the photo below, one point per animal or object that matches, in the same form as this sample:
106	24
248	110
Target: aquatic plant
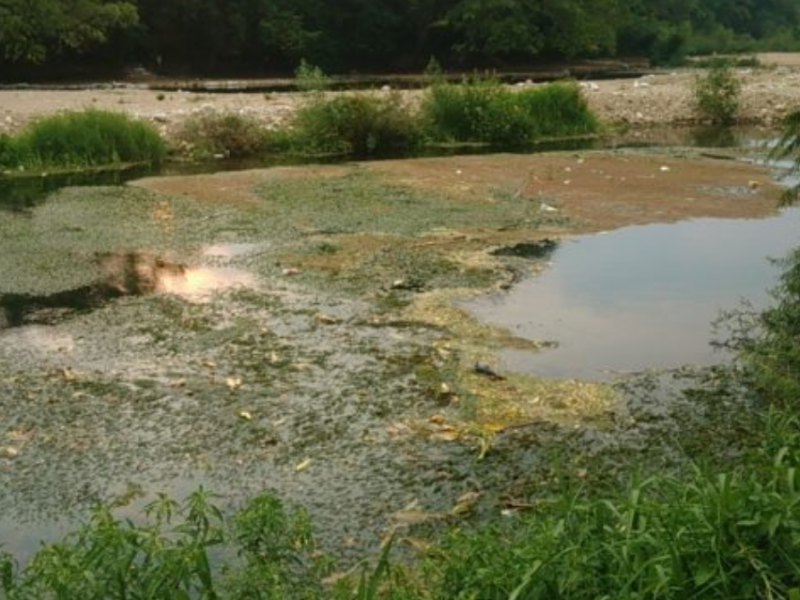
481	110
87	138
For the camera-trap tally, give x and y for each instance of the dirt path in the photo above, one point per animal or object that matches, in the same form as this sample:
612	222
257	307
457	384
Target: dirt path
769	93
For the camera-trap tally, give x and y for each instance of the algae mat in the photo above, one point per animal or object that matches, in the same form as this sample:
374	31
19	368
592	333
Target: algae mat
294	329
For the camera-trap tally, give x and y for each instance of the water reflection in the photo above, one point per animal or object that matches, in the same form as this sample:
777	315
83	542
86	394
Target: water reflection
640	297
20	194
123	274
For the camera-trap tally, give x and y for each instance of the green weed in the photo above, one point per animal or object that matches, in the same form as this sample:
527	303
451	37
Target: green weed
86	139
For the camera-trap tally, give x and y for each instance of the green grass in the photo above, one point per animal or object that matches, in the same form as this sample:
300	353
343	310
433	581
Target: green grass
88	138
481	110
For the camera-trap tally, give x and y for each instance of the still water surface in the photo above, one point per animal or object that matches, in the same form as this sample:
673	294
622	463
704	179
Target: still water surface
640	297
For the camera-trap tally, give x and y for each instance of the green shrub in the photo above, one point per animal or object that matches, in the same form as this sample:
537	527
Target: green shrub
89	138
717	94
359	125
483	111
211	134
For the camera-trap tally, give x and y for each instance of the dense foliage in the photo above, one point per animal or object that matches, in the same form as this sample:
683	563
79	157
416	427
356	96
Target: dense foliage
274	35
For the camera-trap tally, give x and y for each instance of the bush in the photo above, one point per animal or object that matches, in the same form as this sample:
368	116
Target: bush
210	134
89	138
359	125
481	110
717	95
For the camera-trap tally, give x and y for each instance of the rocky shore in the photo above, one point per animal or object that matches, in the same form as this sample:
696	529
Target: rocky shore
769	93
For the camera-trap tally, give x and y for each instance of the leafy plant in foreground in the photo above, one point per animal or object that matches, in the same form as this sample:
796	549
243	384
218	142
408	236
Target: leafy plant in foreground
175	554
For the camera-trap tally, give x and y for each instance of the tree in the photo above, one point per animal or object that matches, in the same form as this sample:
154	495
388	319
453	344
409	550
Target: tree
33	31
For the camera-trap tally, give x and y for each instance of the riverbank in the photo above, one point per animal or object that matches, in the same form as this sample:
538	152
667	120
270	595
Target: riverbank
769	93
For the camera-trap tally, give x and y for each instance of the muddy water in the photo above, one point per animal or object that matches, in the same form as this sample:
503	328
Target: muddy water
640	297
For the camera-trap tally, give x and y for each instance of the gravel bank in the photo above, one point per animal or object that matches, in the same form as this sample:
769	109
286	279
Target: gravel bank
768	94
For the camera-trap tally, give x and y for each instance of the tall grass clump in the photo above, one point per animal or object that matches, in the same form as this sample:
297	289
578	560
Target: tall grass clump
212	134
87	139
483	111
718	93
359	125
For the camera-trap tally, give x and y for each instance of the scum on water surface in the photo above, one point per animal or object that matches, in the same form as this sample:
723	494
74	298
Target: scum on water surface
295	329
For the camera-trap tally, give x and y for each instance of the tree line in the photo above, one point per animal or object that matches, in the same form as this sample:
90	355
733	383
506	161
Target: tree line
272	36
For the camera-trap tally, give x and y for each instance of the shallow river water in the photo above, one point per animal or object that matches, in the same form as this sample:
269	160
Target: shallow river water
640	297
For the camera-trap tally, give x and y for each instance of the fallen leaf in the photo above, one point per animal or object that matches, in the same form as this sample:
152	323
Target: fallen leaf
9	452
233	383
246	415
416	517
324	319
418	544
436	419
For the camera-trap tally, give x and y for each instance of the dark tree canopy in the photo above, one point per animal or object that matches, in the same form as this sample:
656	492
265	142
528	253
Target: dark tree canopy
270	36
